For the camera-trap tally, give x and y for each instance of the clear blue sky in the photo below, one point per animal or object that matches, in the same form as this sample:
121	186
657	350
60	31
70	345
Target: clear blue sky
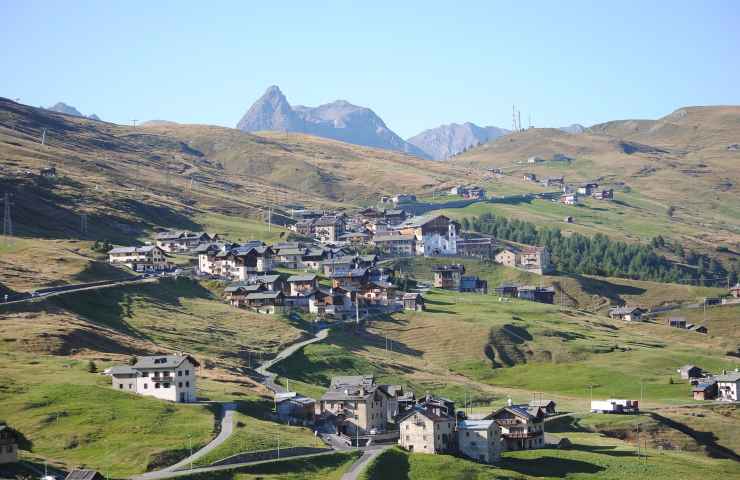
417	64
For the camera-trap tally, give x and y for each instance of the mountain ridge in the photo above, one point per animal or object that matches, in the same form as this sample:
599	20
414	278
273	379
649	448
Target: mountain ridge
338	120
448	140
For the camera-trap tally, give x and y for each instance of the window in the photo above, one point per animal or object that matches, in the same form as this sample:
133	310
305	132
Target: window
187	372
179	384
467	434
179	373
166	385
187	384
120	385
130	386
156	385
145	374
146	385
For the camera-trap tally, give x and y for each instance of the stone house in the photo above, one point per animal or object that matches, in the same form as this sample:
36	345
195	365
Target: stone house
628	314
356	404
148	258
304	284
522	427
423	431
479	440
413	301
394	244
448	276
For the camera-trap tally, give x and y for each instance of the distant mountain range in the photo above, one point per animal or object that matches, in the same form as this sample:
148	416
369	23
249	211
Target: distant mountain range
447	141
61	107
339	120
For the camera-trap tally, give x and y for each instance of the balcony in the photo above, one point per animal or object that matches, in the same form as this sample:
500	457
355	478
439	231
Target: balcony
162	379
521	434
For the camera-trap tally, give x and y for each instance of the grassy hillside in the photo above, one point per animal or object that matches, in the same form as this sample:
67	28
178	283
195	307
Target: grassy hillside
680	162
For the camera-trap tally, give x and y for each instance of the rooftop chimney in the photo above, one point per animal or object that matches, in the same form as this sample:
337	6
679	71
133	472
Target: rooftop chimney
508	401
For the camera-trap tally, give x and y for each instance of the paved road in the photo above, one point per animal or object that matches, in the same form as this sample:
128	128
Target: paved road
227	428
368	455
63	290
269	378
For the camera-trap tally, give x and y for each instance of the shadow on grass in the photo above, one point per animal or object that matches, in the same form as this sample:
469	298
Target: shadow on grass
438	310
565	424
708	440
391	464
610	450
551	466
603	288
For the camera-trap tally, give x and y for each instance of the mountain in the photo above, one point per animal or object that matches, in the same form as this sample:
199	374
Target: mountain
338	120
94	117
574	128
446	141
62	107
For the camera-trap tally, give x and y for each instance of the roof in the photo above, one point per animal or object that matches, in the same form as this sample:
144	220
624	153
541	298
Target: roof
729	377
352	380
541	403
519	410
263	295
268	278
120	370
357	272
163	361
410	296
292	251
623	310
425	412
246	288
393	238
308	277
83	475
475	424
449	268
700	387
144	249
421	221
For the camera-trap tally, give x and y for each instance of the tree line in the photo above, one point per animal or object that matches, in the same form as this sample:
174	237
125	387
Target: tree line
602	256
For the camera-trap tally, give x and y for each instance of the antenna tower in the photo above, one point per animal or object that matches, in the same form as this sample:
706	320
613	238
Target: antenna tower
513	118
7	221
519	119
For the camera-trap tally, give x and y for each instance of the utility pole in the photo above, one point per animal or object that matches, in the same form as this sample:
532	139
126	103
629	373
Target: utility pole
133	122
7	221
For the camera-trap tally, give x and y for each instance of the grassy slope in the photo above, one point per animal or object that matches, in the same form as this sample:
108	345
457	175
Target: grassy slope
583	461
690	173
74	418
329	467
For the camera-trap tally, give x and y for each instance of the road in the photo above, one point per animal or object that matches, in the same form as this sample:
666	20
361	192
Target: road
269	378
368	455
65	289
227	428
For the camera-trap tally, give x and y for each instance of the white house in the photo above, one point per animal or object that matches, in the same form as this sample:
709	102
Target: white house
728	386
167	377
140	259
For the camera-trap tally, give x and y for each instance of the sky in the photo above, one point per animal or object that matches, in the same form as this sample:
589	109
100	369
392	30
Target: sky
416	64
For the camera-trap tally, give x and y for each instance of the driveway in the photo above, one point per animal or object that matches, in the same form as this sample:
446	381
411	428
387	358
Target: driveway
269	378
368	455
227	428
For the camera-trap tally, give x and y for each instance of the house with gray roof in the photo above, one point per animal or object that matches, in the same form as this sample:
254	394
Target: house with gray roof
148	258
167	377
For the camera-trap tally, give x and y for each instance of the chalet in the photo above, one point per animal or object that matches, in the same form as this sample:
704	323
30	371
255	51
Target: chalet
603	194
569	199
167	377
207	256
356	404
305	227
677	322
395	244
265	302
473	284
473	193
356	278
530	177
243	262
379	293
435	235
329	302
438	405
536	294
628	314
587	188
704	390
272	282
402	198
291	407
328	228
236	295
304	284
552	181
522	427
535	159
688	372
181	240
290	257
340	264
448	276
84	474
413	301
479	440
48	172
354	238
547	406
8	444
728	386
313	257
735	291
531	258
423	431
148	258
395	216
509	290
481	247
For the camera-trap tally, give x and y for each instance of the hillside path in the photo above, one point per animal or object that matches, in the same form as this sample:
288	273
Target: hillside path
368	455
227	428
269	378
